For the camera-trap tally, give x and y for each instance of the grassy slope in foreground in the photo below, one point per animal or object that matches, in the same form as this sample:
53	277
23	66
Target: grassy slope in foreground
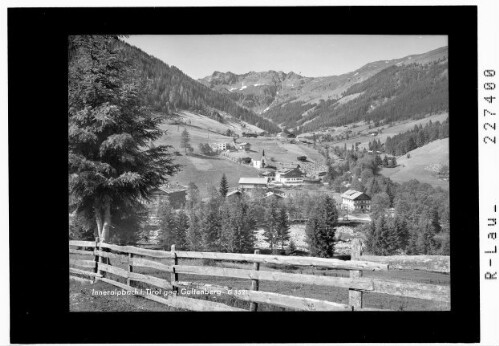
436	152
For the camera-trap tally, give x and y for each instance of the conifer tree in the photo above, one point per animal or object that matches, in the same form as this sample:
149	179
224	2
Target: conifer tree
185	140
193	234
226	238
412	246
181	228
382	244
392	236
283	230
112	166
238	225
211	224
291	249
435	221
426	243
385	161
167	224
271	224
224	186
320	229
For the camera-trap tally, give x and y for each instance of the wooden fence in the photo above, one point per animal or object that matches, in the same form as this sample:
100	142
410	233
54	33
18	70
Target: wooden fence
100	255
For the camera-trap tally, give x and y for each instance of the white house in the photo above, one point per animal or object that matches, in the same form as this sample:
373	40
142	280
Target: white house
219	146
290	176
243	146
356	200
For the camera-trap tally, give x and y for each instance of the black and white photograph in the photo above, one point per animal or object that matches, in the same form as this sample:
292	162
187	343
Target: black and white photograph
258	172
251	174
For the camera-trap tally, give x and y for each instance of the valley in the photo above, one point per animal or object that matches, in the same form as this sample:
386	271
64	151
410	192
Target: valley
178	175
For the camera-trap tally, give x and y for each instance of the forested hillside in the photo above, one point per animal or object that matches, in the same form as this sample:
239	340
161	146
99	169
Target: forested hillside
171	90
395	93
417	137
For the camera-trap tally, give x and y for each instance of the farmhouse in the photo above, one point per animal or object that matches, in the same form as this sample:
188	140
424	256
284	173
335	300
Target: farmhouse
270	174
252	183
234	194
243	146
176	195
356	200
219	146
290	176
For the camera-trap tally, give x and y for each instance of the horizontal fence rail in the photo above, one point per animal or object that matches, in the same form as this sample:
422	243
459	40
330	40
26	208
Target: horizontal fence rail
96	261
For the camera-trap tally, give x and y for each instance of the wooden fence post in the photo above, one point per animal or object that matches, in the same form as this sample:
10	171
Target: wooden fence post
130	267
97	259
355	296
254	283
174	276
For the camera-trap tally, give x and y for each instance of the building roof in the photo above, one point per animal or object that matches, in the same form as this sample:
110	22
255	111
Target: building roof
171	189
247	180
277	195
354	194
243	143
267	173
232	193
292	173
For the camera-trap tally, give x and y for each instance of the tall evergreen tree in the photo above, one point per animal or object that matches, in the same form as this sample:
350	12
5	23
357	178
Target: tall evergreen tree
393	240
272	223
238	225
211	225
320	229
426	243
224	186
403	233
181	228
111	161
193	234
383	236
185	140
167	225
283	229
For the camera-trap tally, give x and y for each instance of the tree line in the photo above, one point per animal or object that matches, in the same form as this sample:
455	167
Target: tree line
419	220
229	225
402	143
395	93
419	226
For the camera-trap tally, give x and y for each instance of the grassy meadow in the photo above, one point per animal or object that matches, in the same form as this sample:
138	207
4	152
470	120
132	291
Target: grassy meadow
416	166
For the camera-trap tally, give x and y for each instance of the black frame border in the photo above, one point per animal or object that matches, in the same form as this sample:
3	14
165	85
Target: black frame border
37	85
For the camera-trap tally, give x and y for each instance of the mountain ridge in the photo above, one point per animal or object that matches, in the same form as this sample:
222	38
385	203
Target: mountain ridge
170	90
266	91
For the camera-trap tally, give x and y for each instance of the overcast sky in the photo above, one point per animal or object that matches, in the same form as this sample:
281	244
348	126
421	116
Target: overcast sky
308	55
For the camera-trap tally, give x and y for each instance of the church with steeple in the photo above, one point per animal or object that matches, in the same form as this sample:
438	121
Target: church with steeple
261	163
